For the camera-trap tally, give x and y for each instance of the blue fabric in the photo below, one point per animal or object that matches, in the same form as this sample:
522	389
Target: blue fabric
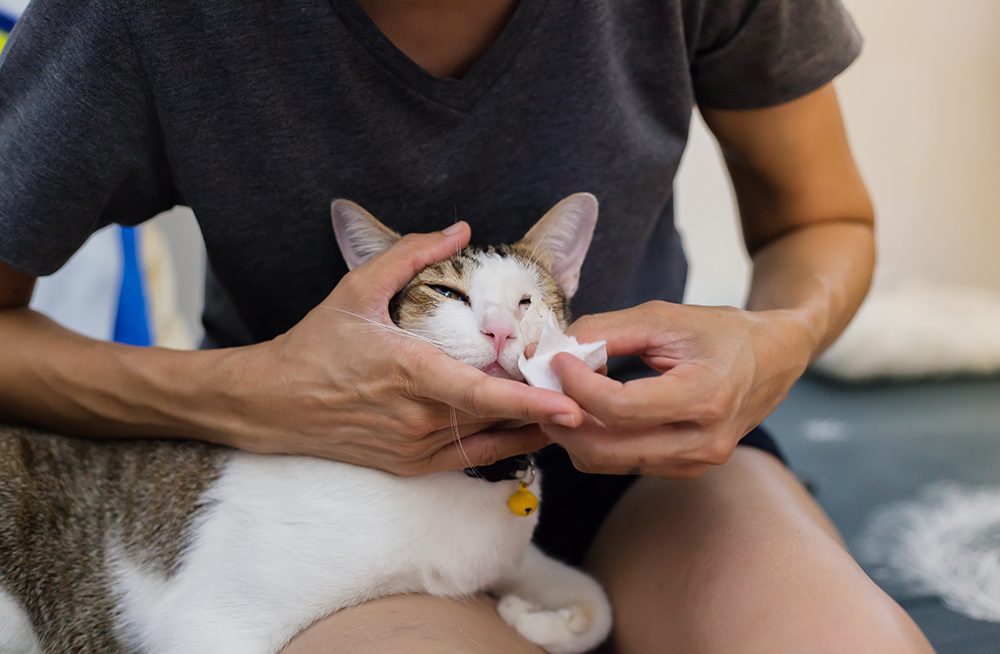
6	22
132	322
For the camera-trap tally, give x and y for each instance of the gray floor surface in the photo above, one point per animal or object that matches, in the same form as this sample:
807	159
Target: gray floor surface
864	446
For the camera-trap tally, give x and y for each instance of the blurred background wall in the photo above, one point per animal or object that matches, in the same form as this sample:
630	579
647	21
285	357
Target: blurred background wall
922	106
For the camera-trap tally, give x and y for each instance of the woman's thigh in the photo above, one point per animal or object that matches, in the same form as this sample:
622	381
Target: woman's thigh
414	624
738	560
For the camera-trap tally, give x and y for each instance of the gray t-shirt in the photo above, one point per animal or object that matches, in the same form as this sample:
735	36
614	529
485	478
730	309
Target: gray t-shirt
258	114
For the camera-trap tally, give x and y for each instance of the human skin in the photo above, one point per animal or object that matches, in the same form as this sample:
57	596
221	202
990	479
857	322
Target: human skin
719	549
807	221
735	558
331	386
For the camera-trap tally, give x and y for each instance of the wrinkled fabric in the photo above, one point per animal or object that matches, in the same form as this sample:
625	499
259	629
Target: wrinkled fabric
258	115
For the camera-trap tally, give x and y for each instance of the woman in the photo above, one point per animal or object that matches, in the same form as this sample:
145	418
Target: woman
258	115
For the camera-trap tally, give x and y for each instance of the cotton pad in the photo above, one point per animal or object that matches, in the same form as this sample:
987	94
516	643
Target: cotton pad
537	370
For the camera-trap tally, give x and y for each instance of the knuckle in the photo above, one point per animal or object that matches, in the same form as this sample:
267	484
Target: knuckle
717	452
409	469
411	451
652	308
489	454
586	459
404	374
583	322
621	409
412	428
719	405
411	241
583	464
692	471
353	284
470	400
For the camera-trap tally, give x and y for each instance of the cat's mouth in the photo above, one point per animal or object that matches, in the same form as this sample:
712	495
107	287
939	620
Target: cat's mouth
496	370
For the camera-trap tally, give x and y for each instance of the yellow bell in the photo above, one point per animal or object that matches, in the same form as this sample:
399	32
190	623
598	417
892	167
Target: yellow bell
523	501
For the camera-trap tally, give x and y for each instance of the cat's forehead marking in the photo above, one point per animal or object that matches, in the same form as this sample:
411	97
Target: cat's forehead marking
486	273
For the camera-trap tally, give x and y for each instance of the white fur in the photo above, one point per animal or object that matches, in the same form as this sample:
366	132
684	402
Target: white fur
288	540
914	329
359	235
495	291
555	606
564	233
944	543
284	541
16	633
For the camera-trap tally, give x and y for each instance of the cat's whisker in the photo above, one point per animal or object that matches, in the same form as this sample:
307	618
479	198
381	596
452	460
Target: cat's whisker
458	441
423	334
390	328
358	316
455	207
404	334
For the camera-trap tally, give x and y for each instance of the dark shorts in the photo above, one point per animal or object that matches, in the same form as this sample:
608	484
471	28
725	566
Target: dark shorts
574	504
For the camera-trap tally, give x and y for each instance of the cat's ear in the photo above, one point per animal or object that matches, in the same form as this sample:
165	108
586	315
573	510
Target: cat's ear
359	235
562	237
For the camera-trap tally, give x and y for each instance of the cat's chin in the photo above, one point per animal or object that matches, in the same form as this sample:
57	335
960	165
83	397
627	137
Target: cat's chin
496	370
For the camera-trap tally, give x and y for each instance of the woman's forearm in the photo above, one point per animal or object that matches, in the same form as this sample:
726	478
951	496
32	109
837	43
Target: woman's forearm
806	215
60	380
817	275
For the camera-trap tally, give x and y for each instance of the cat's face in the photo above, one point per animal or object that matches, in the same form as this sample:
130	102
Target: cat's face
472	304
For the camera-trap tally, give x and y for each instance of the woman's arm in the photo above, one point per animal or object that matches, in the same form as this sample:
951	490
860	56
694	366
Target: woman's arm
58	379
324	388
807	220
806	215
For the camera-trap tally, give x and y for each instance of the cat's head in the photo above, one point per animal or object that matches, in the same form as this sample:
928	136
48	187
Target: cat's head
471	305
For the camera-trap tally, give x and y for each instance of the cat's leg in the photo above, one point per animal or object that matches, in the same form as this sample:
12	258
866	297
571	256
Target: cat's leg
554	605
16	633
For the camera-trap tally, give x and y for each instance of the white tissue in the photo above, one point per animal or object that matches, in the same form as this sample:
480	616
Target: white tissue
537	370
534	319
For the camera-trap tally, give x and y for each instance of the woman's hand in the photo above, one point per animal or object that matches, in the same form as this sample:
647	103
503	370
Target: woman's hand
722	371
346	384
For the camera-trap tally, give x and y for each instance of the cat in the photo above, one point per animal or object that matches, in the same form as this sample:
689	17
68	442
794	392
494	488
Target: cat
171	547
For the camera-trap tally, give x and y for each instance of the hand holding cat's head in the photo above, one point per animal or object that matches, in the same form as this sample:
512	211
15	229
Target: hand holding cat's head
471	305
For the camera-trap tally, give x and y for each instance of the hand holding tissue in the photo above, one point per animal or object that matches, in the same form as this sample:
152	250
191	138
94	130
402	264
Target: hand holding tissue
539	321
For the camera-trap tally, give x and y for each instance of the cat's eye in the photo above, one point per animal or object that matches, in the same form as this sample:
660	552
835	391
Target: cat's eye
450	293
525	302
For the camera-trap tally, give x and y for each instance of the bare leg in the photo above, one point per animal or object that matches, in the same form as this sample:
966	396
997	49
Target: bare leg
739	560
414	624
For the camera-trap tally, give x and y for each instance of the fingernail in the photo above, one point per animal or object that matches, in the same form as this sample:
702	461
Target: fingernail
454	229
564	419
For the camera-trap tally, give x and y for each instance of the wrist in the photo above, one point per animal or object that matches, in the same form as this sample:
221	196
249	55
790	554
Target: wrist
161	392
793	335
229	394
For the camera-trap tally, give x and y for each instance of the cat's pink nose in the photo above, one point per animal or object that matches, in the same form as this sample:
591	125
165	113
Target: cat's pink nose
499	336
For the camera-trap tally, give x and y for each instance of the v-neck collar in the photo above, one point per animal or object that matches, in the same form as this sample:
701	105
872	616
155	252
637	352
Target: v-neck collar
459	94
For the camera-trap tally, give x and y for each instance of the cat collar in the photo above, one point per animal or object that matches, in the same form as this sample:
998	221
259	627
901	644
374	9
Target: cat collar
516	468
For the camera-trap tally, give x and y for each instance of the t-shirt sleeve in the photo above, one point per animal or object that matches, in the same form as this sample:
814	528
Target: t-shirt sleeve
80	147
748	54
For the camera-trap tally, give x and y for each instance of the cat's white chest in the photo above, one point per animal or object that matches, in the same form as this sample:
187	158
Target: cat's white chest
287	540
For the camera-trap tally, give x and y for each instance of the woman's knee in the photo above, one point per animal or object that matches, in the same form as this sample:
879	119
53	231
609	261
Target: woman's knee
739	560
415	624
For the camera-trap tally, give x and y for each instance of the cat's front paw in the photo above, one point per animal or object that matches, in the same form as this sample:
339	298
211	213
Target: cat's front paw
562	630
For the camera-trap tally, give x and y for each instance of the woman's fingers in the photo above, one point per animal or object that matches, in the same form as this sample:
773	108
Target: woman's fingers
439	377
678	451
677	396
388	272
486	447
626	332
